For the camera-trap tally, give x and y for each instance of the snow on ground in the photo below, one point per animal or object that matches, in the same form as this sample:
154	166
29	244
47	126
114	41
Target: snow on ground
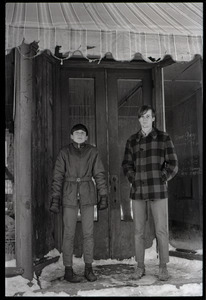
178	266
144	291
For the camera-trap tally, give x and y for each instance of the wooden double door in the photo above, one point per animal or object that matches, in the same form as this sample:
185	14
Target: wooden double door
106	101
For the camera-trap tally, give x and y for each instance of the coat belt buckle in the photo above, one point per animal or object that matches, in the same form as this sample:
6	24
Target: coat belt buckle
78	179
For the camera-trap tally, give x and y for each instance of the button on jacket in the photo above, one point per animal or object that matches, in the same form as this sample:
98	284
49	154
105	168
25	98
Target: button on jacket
149	162
74	170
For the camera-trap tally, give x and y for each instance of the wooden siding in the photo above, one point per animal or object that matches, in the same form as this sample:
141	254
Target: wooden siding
9	87
42	155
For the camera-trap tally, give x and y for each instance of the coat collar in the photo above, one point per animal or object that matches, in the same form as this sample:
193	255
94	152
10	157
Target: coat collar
78	146
153	134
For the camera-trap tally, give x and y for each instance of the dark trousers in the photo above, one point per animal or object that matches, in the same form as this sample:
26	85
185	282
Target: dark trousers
70	219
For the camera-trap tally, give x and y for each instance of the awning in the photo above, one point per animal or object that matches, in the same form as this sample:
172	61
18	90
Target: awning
152	30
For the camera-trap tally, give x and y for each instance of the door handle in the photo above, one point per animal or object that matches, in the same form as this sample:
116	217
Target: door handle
114	183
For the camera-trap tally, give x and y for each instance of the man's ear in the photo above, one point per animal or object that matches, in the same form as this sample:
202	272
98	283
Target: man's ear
86	138
71	136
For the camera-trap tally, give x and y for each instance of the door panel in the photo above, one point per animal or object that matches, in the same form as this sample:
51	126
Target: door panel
83	101
127	91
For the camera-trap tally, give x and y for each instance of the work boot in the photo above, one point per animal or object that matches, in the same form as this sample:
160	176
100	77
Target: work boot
163	273
139	272
71	276
89	275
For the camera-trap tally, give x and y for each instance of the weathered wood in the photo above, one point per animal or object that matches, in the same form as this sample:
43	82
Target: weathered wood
22	159
185	250
199	117
13	271
43	263
57	138
9	90
158	97
101	227
186	255
42	153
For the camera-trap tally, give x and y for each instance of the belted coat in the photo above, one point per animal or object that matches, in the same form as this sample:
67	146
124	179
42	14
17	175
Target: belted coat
149	162
75	171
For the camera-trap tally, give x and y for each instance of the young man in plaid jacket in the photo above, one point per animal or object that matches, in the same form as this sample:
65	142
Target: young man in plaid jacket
149	162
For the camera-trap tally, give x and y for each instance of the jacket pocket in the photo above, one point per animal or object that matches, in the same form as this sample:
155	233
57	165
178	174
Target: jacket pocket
70	193
88	193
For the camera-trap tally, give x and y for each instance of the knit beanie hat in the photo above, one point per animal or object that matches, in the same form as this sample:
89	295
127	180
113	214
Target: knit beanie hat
79	127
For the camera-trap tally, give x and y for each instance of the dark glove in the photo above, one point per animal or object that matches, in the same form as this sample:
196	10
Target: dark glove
55	205
103	203
131	179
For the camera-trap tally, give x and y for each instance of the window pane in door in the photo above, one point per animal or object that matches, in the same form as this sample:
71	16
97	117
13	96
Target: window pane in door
81	105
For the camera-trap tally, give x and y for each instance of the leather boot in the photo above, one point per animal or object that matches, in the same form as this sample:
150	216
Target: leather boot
139	272
163	273
89	275
71	276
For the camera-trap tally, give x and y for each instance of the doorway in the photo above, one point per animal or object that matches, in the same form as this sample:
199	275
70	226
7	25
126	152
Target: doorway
106	101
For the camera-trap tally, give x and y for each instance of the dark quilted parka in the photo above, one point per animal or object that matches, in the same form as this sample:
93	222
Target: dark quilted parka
75	170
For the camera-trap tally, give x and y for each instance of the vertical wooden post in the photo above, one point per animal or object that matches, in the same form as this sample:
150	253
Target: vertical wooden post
199	103
22	161
58	224
158	97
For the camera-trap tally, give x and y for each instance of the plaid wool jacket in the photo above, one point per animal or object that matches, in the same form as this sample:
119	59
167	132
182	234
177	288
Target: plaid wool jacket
149	162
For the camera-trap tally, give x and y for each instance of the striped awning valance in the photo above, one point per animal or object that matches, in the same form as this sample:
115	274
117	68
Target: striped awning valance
153	30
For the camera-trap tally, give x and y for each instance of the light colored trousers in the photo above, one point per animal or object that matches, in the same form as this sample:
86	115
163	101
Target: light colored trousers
159	213
70	219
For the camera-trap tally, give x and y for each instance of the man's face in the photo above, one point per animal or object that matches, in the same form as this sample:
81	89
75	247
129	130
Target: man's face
146	120
79	136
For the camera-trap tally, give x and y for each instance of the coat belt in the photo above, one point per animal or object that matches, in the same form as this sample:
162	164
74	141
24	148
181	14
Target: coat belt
79	179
